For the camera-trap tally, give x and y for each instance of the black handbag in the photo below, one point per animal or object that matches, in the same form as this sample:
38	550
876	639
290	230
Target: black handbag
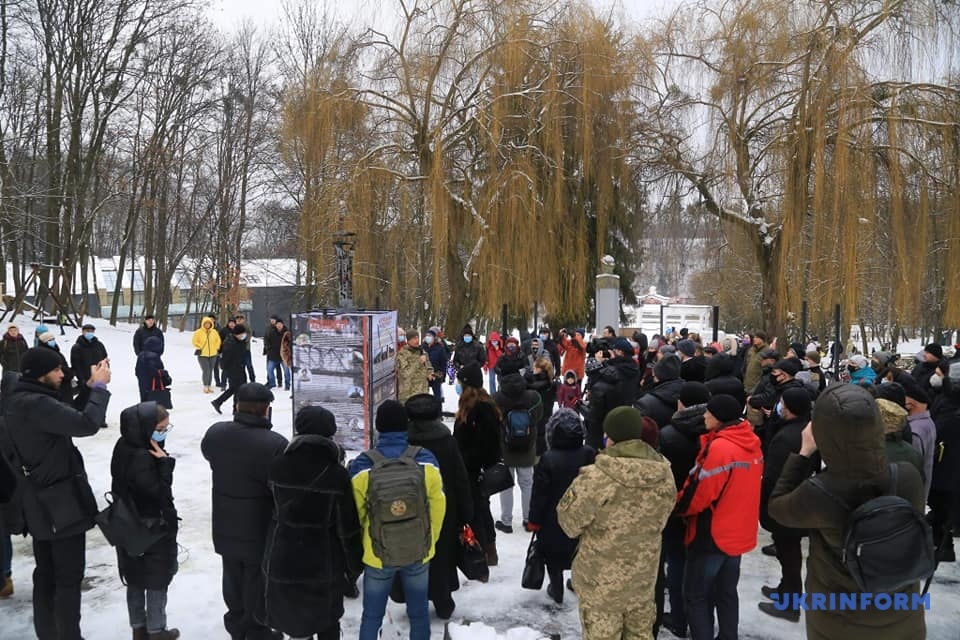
123	527
471	560
494	479
535	566
64	502
159	392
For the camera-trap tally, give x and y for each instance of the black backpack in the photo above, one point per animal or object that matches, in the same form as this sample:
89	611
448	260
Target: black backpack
887	543
517	427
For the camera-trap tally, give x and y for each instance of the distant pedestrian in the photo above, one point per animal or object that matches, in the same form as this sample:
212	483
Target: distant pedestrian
206	346
146	330
13	347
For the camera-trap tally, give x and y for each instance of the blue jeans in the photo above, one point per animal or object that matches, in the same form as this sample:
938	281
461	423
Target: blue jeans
710	582
492	380
273	366
376	589
147	609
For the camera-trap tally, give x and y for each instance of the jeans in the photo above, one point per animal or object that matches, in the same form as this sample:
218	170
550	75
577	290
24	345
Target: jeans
492	381
147	608
287	380
207	364
524	478
710	582
273	368
56	587
377	584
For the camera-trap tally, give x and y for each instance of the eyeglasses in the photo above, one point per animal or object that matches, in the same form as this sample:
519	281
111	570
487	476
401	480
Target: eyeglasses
168	428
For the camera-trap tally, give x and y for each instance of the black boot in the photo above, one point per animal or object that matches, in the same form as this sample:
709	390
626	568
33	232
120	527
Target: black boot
793	615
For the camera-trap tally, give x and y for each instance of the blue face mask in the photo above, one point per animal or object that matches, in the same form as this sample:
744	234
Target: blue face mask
459	389
52	343
159	436
89	336
467	339
777	408
543	336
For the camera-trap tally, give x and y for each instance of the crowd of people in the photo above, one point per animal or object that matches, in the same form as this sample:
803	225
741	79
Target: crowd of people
645	468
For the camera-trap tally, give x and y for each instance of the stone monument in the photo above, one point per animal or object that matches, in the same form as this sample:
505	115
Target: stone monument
607	295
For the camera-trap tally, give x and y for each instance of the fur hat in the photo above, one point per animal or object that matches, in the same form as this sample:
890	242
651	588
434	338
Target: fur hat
893	415
38	362
687	348
725	408
694	393
667	368
391	417
315	420
471	375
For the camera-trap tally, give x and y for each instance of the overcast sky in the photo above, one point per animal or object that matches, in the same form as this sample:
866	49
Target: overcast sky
228	13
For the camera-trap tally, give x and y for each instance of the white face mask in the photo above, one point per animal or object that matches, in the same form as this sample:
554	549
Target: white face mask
936	381
428	339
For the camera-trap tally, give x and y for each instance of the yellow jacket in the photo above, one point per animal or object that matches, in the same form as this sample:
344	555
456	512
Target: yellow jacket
392	445
206	339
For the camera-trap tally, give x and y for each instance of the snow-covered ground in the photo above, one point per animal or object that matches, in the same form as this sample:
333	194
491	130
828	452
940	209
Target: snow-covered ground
195	605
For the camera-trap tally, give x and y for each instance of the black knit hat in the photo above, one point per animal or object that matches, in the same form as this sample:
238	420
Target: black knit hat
725	408
687	347
935	350
892	391
694	393
471	375
315	420
789	366
238	329
38	362
797	400
391	417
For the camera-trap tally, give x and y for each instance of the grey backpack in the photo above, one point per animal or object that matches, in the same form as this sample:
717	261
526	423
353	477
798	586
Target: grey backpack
398	508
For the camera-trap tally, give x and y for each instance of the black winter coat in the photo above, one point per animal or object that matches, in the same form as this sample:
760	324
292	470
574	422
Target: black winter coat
680	441
67	389
12	351
149	364
785	439
479	438
546	388
140	337
84	354
11	507
552	477
435	437
465	353
271	344
694	369
41	428
551	348
605	386
240	454
514	395
147	482
314	548
946	461
509	363
721	377
661	402
233	360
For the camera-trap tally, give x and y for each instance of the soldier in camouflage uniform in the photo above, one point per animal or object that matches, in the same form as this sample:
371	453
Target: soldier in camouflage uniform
413	368
618	507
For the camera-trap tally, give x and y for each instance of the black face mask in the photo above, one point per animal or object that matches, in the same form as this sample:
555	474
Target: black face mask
851	368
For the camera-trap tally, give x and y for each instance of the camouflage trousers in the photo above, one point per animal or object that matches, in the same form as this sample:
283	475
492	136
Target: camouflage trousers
631	624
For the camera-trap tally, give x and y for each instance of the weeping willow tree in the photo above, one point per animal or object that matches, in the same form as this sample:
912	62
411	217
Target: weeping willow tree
480	158
813	143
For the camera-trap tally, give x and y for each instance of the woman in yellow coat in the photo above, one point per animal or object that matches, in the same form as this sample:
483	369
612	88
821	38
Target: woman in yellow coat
206	344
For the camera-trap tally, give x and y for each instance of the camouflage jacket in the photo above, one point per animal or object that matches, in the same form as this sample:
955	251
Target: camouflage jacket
618	506
412	374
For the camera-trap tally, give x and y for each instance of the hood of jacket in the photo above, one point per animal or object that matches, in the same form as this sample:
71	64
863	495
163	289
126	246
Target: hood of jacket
740	433
493	335
564	430
316	446
848	430
513	385
206	323
626	365
154	344
426	430
689	420
137	424
634	464
719	365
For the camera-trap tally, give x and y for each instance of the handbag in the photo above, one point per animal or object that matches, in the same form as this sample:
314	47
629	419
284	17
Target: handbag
494	479
471	560
159	393
535	566
123	527
63	503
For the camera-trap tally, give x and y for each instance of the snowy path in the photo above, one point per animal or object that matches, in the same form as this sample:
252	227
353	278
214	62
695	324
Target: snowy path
195	605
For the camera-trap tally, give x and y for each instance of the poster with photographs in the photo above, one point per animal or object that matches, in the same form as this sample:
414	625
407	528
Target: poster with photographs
337	357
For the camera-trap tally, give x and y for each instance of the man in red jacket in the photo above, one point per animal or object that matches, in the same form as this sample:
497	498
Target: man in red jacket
720	502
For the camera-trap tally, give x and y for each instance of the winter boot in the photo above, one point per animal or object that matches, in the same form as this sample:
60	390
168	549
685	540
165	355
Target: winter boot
769	592
793	615
444	608
555	591
6	590
769	550
500	526
490	550
166	634
140	633
216	406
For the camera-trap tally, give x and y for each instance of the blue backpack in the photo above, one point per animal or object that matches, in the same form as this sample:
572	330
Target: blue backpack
517	428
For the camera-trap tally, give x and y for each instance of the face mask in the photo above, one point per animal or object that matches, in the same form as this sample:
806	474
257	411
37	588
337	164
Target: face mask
159	436
495	343
512	348
467	339
428	339
52	343
241	337
777	409
459	389
543	336
885	381
89	336
936	381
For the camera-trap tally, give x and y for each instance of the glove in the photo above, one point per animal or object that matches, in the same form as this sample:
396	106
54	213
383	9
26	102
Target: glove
533	527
